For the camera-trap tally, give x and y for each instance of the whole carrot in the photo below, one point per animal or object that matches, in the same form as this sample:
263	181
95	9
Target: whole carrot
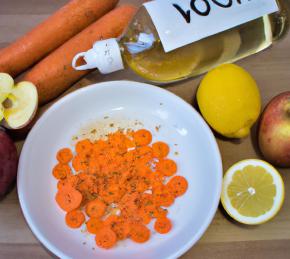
50	34
54	74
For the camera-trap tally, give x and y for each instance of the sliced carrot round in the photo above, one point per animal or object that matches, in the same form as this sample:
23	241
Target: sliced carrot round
109	221
145	216
80	163
159	212
167	167
94	225
142	137
61	171
143	151
68	198
162	196
160	149
64	155
69	181
94	166
163	225
106	238
96	208
121	228
129	143
74	218
139	233
84	147
177	185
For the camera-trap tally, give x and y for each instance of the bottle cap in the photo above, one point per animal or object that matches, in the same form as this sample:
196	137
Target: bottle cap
105	55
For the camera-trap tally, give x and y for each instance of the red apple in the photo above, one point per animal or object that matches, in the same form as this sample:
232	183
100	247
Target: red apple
8	162
274	131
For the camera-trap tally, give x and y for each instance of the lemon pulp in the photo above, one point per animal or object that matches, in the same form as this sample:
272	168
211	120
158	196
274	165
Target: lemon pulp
253	191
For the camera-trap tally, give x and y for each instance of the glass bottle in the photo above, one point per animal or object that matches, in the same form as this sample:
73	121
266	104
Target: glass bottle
154	64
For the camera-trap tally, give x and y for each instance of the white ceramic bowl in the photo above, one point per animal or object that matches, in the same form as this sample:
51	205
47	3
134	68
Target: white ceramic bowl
198	160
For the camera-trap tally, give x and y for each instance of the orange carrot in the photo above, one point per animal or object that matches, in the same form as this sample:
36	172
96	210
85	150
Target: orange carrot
95	208
144	151
69	181
177	185
80	163
139	233
113	183
142	137
54	74
106	238
84	147
145	216
61	171
50	34
94	225
162	196
163	225
119	225
109	221
68	198
167	167
160	212
64	155
74	218
160	149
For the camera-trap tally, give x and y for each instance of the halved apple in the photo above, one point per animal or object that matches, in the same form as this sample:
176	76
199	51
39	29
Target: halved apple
6	86
20	105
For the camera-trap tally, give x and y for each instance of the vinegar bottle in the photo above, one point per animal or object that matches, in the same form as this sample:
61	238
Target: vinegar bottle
141	48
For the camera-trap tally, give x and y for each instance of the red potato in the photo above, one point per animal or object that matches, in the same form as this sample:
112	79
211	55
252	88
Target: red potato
50	34
8	162
54	74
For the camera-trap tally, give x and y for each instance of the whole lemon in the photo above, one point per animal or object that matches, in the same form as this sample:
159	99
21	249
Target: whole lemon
229	100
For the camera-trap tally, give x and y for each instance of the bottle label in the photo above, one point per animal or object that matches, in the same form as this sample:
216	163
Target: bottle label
181	22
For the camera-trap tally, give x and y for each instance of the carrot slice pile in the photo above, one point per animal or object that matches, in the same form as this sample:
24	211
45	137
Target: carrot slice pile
117	186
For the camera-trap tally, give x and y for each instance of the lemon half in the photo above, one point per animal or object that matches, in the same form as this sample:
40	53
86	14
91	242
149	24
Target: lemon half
253	192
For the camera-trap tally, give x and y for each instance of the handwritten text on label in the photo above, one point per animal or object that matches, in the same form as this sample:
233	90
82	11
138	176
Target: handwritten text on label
207	7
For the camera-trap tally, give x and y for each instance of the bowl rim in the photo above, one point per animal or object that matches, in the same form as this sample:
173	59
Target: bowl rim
116	83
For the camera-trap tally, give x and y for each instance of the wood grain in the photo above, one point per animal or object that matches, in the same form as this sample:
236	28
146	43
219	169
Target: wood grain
224	238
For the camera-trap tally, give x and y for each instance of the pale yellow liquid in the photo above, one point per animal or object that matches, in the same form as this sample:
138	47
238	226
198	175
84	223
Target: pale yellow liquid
199	57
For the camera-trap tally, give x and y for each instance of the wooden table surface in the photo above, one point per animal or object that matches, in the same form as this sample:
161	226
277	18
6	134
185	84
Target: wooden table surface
224	238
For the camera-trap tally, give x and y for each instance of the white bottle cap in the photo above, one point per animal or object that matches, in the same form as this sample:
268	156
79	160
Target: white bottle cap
105	55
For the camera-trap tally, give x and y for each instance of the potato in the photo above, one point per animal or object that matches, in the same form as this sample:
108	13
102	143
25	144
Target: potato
8	162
